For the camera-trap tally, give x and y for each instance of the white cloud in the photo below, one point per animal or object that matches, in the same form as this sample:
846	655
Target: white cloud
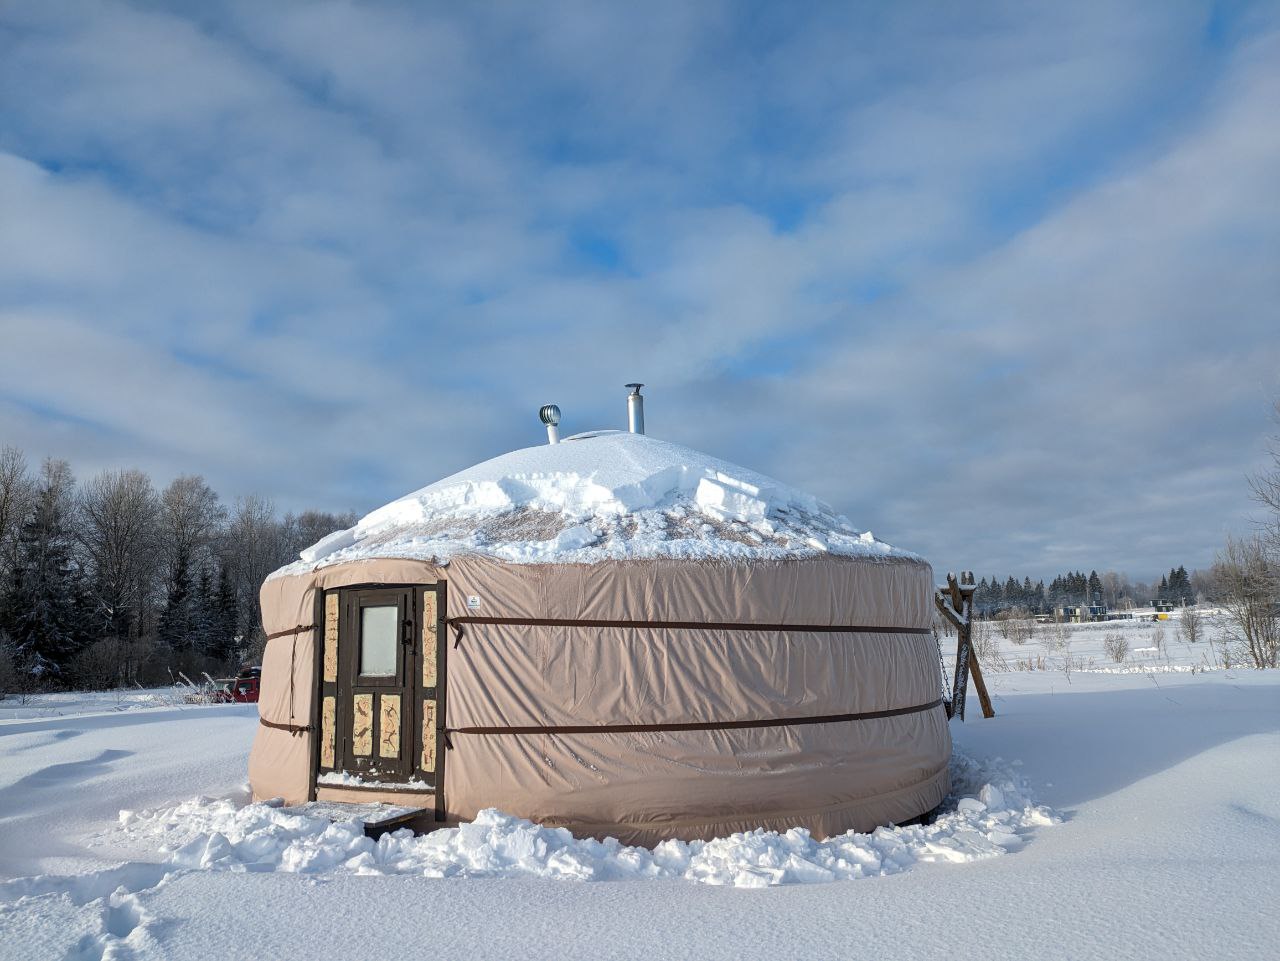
331	251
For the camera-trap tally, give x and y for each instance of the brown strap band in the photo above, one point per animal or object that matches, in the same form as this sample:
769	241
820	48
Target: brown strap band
293	630
690	625
291	728
697	726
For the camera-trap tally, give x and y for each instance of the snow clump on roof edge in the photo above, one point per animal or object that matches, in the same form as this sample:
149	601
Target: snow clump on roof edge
598	496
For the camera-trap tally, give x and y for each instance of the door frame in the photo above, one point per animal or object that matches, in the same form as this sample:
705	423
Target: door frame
411	714
352	685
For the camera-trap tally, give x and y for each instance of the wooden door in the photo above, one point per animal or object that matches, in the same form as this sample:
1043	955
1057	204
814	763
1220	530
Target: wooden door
377	640
382	687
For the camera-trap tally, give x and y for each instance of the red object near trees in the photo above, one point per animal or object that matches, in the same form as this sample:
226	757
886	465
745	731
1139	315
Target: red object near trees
243	689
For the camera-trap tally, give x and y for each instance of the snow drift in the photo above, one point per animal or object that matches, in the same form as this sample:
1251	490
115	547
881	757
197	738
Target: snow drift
990	817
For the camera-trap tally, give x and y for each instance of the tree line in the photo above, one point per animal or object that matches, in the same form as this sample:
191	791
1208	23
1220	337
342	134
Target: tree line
1075	589
111	582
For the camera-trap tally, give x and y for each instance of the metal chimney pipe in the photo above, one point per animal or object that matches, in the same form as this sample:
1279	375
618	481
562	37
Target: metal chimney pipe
550	415
635	410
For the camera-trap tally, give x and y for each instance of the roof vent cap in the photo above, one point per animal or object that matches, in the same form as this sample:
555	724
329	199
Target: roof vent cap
549	414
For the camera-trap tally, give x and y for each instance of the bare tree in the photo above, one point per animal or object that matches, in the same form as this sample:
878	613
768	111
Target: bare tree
1246	574
17	498
985	647
109	662
1266	491
1021	627
1015	625
1113	588
1002	623
1056	636
302	530
190	519
1191	624
1248	588
1116	646
255	546
117	532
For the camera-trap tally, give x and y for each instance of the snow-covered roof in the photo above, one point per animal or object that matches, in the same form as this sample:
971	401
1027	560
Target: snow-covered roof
595	496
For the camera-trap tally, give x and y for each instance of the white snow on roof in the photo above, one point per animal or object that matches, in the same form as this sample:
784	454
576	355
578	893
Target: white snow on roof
595	496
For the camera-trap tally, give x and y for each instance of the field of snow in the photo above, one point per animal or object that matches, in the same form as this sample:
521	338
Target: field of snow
95	702
1132	815
1141	646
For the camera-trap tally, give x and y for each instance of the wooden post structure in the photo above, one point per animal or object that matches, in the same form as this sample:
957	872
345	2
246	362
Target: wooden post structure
954	601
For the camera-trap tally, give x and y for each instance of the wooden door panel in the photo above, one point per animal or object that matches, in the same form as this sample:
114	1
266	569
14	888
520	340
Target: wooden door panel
389	727
376	665
361	725
427	763
429	696
379	720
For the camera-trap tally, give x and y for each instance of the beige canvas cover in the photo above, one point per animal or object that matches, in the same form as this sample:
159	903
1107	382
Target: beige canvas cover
646	786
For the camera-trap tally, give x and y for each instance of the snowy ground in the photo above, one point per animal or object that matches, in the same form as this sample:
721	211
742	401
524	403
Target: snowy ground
1166	786
97	702
1148	647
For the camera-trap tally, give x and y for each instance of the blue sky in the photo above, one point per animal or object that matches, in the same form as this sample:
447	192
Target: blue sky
1020	257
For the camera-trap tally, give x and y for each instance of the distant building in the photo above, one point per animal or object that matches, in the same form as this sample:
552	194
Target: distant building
1078	615
1082	615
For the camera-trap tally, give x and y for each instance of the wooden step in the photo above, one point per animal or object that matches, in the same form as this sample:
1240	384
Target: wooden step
389	795
378	818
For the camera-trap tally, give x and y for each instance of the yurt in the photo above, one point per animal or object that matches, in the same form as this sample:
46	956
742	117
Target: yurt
613	634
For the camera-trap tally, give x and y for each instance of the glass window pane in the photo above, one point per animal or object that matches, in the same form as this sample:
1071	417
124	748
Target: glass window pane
379	636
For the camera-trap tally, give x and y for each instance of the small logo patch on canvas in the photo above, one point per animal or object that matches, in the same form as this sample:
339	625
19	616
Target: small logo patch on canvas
473	602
